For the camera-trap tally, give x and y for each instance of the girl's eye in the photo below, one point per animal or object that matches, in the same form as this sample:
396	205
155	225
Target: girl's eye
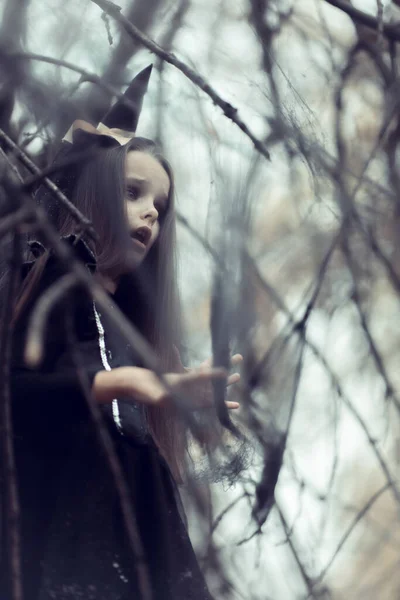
133	192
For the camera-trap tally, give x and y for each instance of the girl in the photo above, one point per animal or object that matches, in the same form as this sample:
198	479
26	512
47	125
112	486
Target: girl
74	541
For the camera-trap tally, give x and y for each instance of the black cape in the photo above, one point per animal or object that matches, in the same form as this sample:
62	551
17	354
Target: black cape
74	541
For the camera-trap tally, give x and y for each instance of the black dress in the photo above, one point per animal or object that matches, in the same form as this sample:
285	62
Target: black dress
74	541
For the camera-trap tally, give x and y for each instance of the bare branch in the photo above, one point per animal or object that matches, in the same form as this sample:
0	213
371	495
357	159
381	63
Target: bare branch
374	444
34	341
360	515
229	111
9	479
307	580
11	495
24	158
9	222
392	32
86	75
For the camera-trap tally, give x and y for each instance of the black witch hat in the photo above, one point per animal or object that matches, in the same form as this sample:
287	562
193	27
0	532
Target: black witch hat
117	127
124	115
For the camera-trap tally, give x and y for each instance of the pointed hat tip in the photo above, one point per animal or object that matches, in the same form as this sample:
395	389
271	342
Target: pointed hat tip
124	116
141	80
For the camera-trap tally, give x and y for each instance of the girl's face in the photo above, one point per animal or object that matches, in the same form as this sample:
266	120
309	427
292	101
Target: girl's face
147	188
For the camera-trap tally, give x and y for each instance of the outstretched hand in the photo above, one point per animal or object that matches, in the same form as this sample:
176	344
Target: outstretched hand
196	386
206	367
236	359
143	385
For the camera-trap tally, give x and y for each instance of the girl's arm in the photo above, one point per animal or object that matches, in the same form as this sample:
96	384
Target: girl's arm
43	403
144	386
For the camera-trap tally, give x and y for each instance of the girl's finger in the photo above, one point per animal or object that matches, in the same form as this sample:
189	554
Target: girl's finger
206	364
232	405
234	378
236	359
205	374
215	373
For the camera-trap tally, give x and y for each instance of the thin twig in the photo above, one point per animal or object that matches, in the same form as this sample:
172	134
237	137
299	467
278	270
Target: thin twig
167	42
392	32
336	383
34	339
389	388
306	578
104	16
12	526
351	527
227	508
58	62
229	111
8	223
83	221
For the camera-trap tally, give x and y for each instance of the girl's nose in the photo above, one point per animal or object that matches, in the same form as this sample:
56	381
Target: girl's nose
150	213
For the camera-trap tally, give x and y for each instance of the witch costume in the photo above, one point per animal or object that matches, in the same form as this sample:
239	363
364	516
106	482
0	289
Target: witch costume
74	540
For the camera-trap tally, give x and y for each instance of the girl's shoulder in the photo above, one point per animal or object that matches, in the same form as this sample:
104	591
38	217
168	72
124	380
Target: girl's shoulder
42	292
35	250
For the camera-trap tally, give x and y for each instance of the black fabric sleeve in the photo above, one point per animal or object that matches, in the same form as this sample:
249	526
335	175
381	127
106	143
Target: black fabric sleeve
47	407
50	393
49	401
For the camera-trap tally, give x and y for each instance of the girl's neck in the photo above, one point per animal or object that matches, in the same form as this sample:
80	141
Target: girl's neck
107	282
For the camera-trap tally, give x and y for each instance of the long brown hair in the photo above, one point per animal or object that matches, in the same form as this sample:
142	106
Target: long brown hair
150	292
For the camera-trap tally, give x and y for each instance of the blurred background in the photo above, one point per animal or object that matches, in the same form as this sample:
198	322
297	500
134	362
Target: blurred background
309	241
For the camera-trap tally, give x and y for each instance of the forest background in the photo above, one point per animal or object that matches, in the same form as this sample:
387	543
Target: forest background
281	121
